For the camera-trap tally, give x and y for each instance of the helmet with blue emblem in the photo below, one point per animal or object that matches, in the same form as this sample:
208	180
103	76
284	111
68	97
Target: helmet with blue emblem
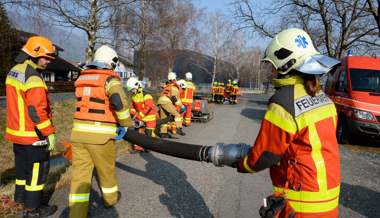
293	49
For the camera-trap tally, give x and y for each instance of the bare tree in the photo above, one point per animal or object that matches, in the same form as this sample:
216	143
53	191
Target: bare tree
335	26
94	17
213	42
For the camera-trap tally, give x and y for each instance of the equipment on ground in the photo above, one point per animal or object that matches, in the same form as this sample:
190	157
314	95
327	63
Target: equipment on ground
200	112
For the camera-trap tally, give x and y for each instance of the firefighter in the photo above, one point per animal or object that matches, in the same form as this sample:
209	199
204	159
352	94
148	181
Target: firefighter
101	106
142	109
234	92
188	96
297	138
229	87
29	124
214	91
221	93
167	103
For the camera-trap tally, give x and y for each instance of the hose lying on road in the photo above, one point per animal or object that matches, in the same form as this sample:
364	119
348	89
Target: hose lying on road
176	149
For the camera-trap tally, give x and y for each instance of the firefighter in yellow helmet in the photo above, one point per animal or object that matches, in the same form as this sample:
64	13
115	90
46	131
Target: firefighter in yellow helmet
167	103
29	124
229	87
101	106
214	91
297	138
234	92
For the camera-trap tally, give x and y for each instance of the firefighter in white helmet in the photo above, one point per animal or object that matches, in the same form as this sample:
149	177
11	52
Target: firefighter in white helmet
187	98
167	103
297	138
142	109
101	106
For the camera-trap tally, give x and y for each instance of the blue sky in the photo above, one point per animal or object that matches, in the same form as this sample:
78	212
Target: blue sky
214	5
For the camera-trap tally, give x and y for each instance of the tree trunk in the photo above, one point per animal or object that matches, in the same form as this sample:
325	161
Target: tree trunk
143	41
91	33
214	69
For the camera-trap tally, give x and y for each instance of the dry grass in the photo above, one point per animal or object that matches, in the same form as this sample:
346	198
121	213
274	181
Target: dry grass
62	119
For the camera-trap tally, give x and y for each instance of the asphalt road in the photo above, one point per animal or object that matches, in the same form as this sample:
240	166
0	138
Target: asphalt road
159	186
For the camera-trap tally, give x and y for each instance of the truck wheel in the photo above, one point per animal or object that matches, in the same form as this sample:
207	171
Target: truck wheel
342	131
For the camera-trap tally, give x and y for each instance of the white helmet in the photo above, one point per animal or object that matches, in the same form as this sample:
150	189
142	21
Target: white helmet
105	57
172	76
189	76
182	83
133	83
293	49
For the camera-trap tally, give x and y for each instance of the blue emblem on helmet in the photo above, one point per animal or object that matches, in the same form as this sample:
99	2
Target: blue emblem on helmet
301	41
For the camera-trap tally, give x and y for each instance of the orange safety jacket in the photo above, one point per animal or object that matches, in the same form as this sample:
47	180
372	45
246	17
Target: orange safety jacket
188	93
235	90
214	90
297	142
143	108
29	117
170	90
92	102
220	90
229	88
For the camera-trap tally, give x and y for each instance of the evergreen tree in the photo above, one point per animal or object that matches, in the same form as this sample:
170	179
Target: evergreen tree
9	46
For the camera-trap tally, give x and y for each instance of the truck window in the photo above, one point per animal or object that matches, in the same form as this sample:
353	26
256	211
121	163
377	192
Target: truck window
341	85
365	80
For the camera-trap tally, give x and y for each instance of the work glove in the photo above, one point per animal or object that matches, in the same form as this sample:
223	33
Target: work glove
183	108
51	142
138	124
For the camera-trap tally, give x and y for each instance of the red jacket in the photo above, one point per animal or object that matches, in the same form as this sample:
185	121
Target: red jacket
29	117
144	109
297	142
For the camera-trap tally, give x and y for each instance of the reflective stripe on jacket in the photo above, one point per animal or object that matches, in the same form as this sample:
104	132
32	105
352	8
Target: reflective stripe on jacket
29	117
93	103
144	109
172	90
188	93
101	105
297	135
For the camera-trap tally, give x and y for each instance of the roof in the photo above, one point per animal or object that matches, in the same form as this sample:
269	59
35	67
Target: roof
58	64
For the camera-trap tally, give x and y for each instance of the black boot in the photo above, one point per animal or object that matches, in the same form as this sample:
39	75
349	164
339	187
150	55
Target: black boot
41	212
181	132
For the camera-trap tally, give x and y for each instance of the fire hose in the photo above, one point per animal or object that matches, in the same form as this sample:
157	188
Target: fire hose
219	155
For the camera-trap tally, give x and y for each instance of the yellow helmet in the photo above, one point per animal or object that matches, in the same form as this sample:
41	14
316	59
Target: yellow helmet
293	49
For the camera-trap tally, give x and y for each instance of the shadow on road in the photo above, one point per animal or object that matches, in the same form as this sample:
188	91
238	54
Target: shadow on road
360	199
253	113
259	102
181	199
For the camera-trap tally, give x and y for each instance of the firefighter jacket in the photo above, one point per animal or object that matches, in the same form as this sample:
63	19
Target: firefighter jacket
229	88
214	90
297	142
101	105
170	94
188	93
220	90
235	90
29	117
143	108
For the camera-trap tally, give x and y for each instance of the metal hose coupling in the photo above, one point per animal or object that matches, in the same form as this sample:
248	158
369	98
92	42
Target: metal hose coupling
227	154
